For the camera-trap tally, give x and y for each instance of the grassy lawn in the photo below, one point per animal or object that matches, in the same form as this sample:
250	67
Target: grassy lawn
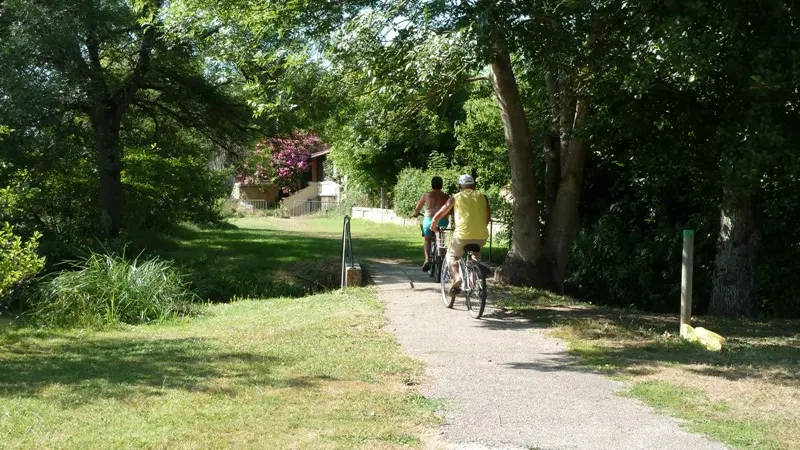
267	257
316	372
258	257
273	372
747	395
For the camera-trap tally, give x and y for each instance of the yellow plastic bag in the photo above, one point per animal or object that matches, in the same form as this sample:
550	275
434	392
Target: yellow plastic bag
707	338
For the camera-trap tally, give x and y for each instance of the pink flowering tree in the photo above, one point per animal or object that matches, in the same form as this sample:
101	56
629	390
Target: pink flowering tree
283	160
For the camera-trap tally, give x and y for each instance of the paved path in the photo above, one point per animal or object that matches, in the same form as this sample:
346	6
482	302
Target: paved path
506	385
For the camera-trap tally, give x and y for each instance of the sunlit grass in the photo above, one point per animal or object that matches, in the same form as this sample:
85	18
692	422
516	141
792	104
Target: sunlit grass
314	372
261	257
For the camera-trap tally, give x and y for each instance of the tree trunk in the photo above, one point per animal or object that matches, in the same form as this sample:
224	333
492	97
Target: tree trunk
109	164
520	267
564	218
733	292
552	148
109	108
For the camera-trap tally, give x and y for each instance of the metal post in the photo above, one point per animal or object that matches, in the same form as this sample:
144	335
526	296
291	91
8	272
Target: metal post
491	232
686	277
344	254
350	244
347	246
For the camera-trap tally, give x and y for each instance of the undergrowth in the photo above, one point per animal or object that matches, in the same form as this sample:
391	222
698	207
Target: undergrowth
108	290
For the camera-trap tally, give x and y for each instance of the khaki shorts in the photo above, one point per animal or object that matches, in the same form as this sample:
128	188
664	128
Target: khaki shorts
456	249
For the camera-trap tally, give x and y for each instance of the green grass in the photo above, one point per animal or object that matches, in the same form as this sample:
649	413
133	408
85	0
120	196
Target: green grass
747	395
704	415
289	372
260	257
107	290
265	257
314	372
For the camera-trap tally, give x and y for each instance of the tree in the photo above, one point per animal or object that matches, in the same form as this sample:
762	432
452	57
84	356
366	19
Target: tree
102	60
437	46
741	55
291	158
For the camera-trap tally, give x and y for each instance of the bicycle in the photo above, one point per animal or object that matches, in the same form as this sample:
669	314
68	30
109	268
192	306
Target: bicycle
436	254
473	284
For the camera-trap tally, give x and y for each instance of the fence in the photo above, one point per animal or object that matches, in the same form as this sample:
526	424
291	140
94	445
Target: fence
381	216
250	205
308	207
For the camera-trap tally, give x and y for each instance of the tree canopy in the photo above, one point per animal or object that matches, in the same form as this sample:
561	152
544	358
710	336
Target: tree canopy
601	127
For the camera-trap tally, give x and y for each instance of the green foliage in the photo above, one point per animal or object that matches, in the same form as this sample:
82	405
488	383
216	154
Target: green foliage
109	290
162	191
412	183
169	95
18	260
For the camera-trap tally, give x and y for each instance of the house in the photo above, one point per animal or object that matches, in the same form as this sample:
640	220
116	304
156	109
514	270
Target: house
316	194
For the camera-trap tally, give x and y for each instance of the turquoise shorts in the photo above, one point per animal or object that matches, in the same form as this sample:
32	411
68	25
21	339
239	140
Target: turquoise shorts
426	226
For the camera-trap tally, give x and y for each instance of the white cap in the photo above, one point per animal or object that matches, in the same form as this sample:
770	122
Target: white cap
466	180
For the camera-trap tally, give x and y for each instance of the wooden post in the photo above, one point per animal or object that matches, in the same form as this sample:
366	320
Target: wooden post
686	277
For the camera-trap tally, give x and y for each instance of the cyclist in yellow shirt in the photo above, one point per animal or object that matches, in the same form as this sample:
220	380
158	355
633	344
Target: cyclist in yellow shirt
472	216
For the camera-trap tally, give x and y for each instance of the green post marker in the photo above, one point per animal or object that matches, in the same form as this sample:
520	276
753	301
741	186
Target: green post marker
687	272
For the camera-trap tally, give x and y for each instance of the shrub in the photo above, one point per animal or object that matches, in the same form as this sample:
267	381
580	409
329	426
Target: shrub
412	183
108	290
161	191
18	260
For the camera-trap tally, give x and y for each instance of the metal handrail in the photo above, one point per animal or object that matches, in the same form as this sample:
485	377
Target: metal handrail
347	248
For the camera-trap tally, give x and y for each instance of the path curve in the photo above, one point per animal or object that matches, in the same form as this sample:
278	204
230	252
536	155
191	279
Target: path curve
507	385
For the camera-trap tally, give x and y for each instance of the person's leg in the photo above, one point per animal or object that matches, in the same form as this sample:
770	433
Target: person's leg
427	233
477	255
454	272
454	253
427	253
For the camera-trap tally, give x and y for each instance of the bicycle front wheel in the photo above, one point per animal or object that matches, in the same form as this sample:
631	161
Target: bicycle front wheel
446	282
438	263
476	296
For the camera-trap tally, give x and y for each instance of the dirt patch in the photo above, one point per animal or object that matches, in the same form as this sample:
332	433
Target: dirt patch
318	275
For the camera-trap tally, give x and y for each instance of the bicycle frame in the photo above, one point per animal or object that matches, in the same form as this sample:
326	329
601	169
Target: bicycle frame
466	282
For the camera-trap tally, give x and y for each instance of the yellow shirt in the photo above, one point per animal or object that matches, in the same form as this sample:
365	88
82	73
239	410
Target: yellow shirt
470	215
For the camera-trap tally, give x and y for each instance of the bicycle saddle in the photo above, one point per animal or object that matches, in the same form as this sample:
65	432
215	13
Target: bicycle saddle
472	248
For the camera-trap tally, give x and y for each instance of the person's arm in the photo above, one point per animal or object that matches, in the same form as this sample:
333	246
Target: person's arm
443	212
420	203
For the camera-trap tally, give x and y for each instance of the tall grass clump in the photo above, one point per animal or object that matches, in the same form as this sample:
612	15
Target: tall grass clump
108	290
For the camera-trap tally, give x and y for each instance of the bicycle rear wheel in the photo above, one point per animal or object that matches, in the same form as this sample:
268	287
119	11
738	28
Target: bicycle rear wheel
439	263
476	297
446	281
432	258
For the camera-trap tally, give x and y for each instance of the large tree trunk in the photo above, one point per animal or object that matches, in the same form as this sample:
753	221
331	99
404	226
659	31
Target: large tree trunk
734	283
109	108
564	173
109	164
563	220
552	149
520	266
